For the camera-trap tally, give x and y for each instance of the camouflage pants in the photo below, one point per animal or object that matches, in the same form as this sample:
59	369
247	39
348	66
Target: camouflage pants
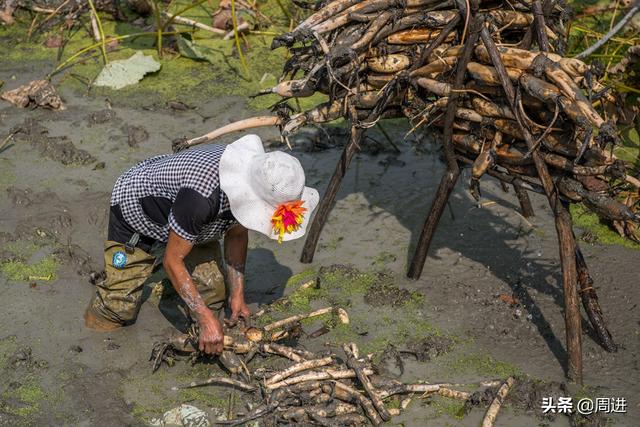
119	297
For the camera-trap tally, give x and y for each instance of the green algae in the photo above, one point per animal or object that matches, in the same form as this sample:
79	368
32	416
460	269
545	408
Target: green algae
452	409
21	248
202	395
26	399
24	396
180	77
483	365
587	220
347	287
20	265
384	258
45	269
301	277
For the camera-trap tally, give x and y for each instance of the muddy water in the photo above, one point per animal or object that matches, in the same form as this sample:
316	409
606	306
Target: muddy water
77	377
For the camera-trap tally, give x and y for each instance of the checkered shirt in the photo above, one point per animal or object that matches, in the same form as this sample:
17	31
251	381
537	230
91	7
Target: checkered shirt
164	176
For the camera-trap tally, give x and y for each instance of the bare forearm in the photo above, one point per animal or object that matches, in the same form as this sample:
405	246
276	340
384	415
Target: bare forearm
211	335
235	273
235	251
184	286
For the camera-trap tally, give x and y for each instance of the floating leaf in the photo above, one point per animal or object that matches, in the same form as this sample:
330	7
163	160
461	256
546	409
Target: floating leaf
189	49
125	72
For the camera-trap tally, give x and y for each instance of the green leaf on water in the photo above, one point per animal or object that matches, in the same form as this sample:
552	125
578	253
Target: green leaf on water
126	72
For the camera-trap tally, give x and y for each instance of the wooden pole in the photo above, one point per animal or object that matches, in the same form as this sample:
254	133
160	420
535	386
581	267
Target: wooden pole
326	204
540	27
525	202
329	197
562	220
445	188
448	181
591	305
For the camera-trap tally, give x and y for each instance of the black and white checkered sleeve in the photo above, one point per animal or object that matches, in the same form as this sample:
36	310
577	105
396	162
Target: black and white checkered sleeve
173	224
191	212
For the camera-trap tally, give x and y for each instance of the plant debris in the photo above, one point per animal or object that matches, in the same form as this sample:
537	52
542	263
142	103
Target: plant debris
38	93
313	389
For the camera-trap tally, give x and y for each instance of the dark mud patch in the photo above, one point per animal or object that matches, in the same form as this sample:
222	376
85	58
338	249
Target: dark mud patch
589	420
58	148
19	250
382	293
5	254
75	256
135	135
95	393
101	117
23	358
429	347
390	362
24	197
527	395
21	393
345	270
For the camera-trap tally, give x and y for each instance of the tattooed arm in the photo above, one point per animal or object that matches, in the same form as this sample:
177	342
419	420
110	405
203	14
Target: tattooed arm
211	335
235	253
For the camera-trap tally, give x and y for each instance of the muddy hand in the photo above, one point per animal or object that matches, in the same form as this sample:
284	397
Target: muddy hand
211	336
239	309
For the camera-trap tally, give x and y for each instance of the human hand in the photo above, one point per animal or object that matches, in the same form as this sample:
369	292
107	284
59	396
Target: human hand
211	339
239	309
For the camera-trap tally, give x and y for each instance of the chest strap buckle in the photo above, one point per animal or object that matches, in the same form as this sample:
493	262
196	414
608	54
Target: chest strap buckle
130	246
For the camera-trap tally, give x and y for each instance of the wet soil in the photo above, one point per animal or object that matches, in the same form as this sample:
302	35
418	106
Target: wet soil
58	148
55	181
385	293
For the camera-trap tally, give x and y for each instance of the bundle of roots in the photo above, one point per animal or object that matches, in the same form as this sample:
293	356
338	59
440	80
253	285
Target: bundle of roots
510	101
312	388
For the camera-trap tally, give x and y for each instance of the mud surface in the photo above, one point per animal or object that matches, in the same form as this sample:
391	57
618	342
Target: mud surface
489	303
58	148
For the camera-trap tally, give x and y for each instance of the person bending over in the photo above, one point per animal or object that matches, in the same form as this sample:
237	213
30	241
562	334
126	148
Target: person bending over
190	201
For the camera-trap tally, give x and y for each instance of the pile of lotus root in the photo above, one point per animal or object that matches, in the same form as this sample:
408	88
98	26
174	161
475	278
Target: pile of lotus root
378	59
313	388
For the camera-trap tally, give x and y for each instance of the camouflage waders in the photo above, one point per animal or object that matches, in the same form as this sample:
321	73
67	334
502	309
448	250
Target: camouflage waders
119	297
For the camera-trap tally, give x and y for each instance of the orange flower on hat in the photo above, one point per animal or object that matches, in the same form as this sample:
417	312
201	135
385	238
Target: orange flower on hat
287	218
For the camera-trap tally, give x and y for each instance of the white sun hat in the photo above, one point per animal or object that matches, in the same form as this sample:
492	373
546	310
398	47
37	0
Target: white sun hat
258	183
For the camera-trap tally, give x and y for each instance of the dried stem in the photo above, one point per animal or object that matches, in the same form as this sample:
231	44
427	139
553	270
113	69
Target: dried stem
236	36
615	30
327	374
218	381
299	367
492	412
102	40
